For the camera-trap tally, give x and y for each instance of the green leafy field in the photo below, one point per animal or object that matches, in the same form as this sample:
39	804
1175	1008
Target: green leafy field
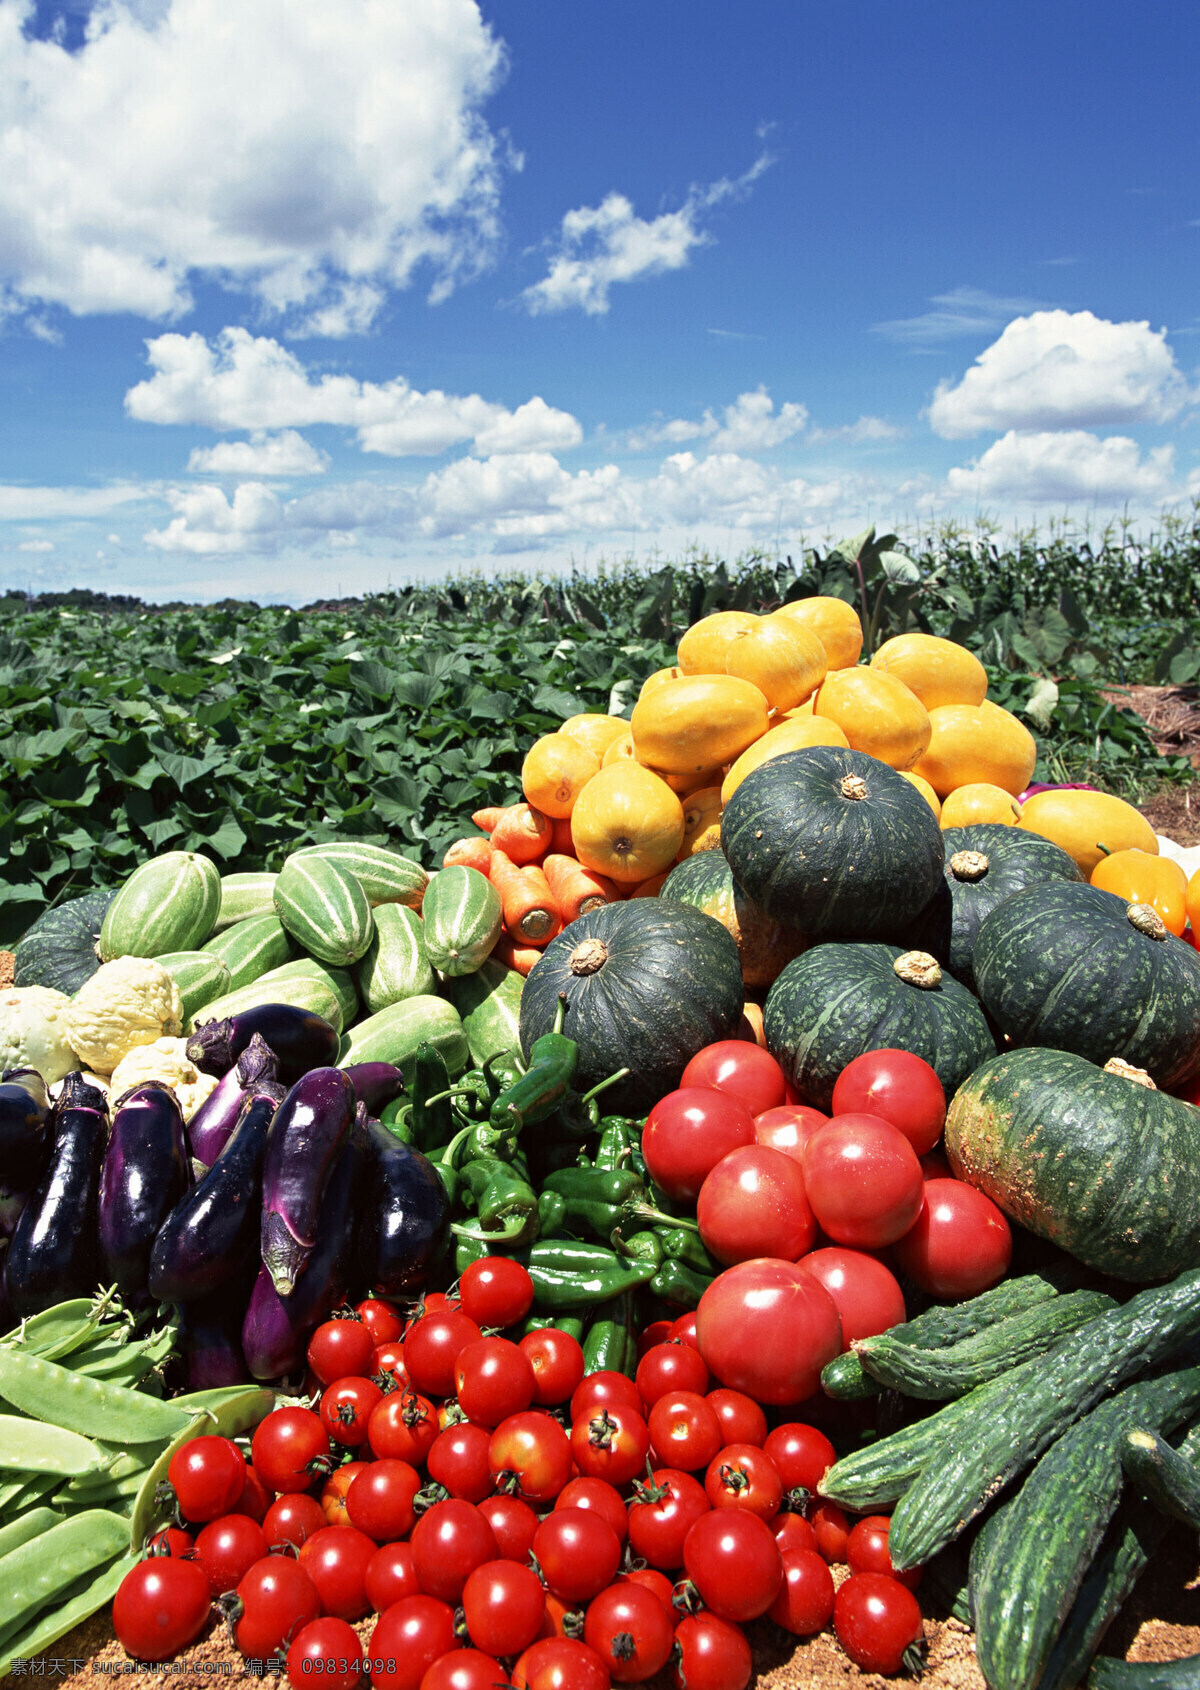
243	731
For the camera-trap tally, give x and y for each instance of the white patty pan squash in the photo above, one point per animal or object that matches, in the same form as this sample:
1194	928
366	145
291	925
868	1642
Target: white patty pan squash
165	1060
33	1031
130	1002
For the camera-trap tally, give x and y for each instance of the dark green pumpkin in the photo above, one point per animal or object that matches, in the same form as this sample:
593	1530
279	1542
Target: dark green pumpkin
1104	1167
705	881
1074	968
837	1001
986	864
59	950
647	983
833	842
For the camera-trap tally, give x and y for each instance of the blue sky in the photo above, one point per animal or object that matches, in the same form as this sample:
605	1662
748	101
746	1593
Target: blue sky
299	299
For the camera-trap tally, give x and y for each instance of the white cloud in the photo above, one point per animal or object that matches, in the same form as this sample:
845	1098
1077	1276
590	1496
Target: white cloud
245	381
608	243
750	424
288	453
36	546
311	154
1065	467
866	431
960	314
1061	369
29	504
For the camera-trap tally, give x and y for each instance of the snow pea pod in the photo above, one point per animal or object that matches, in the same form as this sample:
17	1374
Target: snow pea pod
66	1327
29	1526
49	1627
35	1573
91	1406
28	1446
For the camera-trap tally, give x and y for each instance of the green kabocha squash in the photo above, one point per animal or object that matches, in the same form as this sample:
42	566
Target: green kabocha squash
986	864
837	1001
705	881
60	949
647	984
833	842
1075	968
1096	1160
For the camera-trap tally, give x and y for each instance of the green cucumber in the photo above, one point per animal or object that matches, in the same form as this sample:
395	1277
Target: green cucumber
305	991
168	904
394	965
394	1034
324	909
244	896
199	976
1110	1674
252	948
1135	1538
1167	1478
846	1379
489	1002
941	1374
463	917
338	980
384	875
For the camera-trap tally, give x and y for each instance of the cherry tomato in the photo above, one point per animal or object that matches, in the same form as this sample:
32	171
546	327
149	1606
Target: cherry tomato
335	1491
804	1604
744	1476
289	1449
767	1329
458	1460
560	1619
753	1204
603	1390
788	1128
631	1632
340	1348
670	1367
336	1561
463	1669
346	1409
328	1649
802	1455
687	1133
391	1575
513	1524
867	1551
662	1512
743	1070
407	1639
431	1347
389	1360
863	1181
404	1426
683	1330
656	1582
380	1499
278	1598
712	1655
160	1607
610	1443
557	1362
741	1420
734	1563
227	1549
503	1603
959	1245
207	1476
531	1454
898	1087
495	1291
657	1332
792	1531
598	1496
578	1553
831	1530
172	1541
292	1518
382	1320
493	1379
449	1541
866	1294
560	1663
684	1430
877	1621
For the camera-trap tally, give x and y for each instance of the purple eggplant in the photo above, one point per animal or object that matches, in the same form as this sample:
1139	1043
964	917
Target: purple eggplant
375	1084
210	1127
26	1133
54	1253
210	1343
276	1329
212	1233
405	1219
300	1039
310	1128
145	1172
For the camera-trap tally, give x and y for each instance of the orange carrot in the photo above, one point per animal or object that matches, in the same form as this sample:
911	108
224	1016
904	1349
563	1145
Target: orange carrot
561	842
523	834
487	819
650	888
530	914
577	889
520	957
469	853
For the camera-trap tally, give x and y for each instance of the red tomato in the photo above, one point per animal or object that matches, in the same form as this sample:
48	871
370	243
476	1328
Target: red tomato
631	1632
805	1601
495	1291
792	1531
657	1332
380	1319
867	1295
335	1491
560	1663
160	1607
898	1087
863	1181
339	1348
744	1476
504	1603
336	1561
391	1575
380	1499
802	1455
683	1330
493	1379
404	1426
610	1443
670	1367
753	1204
877	1622
560	1619
867	1551
742	1420
291	1519
662	1512
959	1245
712	1655
832	1531
255	1498
598	1496
578	1553
407	1639
658	1583
513	1524
227	1549
207	1476
557	1362
329	1647
602	1390
346	1407
687	1133
531	1454
743	1070
277	1598
935	1166
463	1669
171	1541
684	1430
431	1347
767	1329
459	1460
735	1564
788	1128
289	1449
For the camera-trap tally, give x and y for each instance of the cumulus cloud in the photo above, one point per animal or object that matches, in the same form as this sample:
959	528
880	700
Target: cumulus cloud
287	453
1062	369
245	381
750	424
601	245
313	154
865	432
963	313
1065	467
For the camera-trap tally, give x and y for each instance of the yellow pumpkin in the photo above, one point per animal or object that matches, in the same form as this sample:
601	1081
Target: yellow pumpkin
555	771
978	742
685	785
805	709
698	722
938	671
786	664
620	748
877	714
703	648
627	823
791	735
1193	902
1140	878
926	791
979	801
834	622
657	679
1088	824
701	812
751	1027
595	732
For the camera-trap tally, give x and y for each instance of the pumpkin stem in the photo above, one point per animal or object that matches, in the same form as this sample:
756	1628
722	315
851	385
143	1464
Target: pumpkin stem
1147	920
918	968
968	865
853	787
589	957
1127	1071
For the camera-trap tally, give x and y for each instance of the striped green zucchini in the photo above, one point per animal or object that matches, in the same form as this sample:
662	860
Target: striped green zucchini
462	918
489	1002
394	1034
252	947
1166	1477
324	909
168	904
199	976
306	991
394	965
384	875
340	982
244	896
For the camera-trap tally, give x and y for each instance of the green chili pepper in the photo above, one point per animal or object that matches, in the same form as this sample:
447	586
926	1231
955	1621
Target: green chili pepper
397	1118
508	1211
617	1135
574	1325
596	1185
572	1276
466	1251
682	1245
552	1213
639	1246
432	1116
606	1345
679	1284
553	1060
450	1181
502	1071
